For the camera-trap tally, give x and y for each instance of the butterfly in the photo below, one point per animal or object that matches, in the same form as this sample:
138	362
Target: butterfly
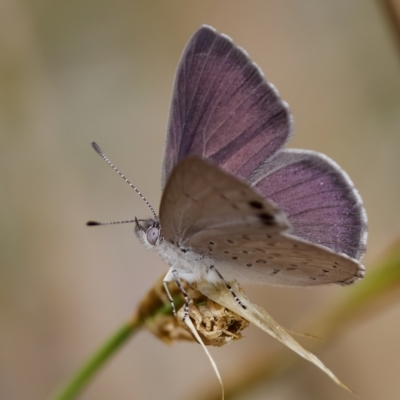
237	206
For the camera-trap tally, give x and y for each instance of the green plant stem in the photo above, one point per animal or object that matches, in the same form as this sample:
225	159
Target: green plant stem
365	296
98	359
150	307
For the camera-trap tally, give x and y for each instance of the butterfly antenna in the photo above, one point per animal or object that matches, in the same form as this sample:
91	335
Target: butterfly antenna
105	158
129	221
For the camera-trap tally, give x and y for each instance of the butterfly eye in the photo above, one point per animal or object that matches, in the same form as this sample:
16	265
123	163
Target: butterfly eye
152	235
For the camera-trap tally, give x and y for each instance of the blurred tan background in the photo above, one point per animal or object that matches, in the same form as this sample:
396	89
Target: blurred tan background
72	72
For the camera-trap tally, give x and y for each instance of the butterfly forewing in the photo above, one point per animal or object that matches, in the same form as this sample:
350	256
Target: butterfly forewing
201	197
223	109
318	198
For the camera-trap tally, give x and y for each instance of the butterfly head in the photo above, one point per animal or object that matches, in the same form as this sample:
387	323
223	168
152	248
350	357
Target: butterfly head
149	232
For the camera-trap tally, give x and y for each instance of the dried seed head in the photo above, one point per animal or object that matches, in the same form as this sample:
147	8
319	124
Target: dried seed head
215	324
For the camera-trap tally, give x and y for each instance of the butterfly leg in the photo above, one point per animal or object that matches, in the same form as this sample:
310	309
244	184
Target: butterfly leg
173	276
169	278
229	287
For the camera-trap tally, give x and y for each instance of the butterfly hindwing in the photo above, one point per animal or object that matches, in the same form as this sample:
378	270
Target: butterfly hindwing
318	198
223	108
258	257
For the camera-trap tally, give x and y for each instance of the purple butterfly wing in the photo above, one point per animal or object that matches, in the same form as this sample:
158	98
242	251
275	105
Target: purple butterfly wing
223	109
318	198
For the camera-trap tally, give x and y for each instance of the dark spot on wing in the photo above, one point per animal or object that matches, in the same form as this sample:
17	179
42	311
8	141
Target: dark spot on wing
249	265
260	261
234	258
226	251
212	243
245	252
275	271
245	237
230	241
325	270
266	219
291	269
256	204
312	278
